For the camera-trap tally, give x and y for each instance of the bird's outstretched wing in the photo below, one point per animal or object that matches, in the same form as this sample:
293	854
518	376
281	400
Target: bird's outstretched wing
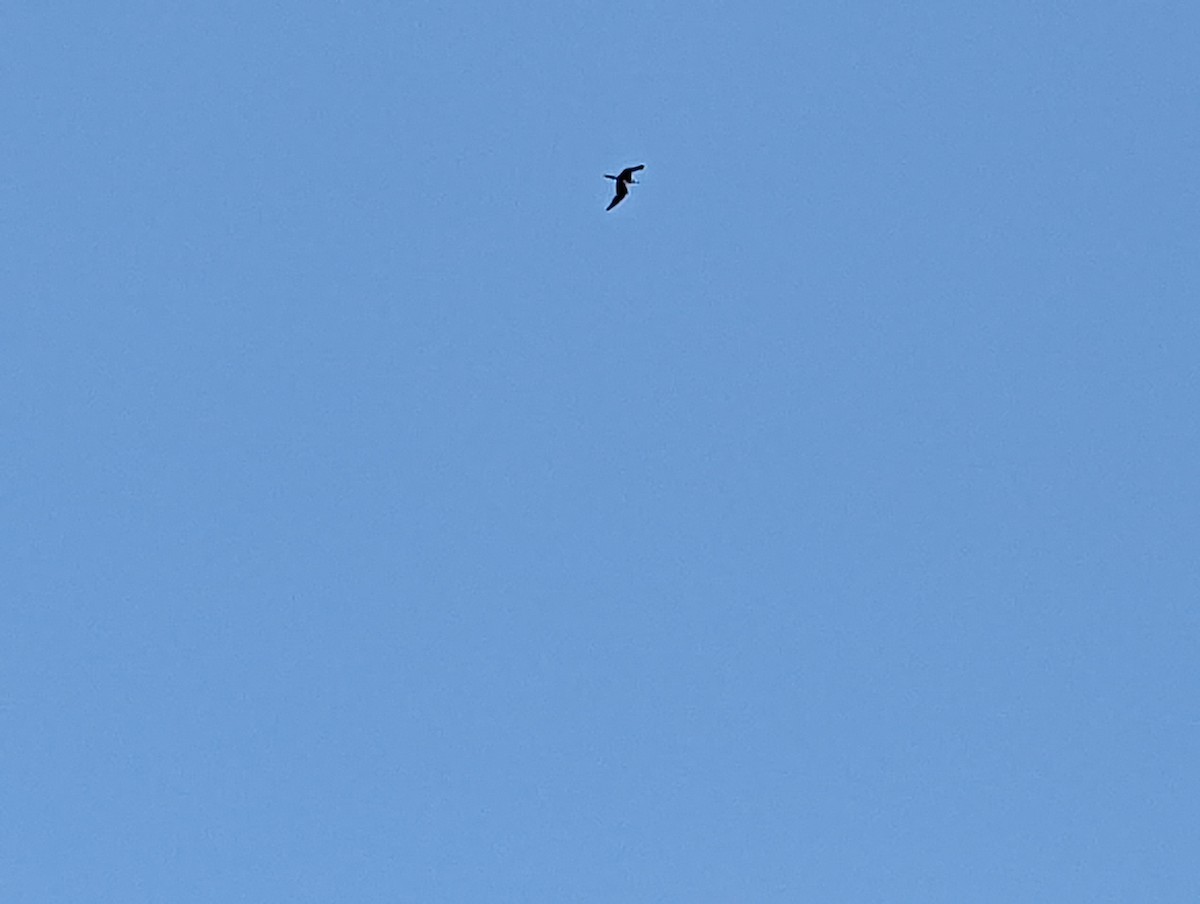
622	191
627	173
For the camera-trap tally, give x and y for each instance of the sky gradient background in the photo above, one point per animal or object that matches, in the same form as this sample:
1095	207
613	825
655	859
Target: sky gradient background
384	521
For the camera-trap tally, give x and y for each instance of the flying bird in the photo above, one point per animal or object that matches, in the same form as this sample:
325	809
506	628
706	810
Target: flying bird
623	182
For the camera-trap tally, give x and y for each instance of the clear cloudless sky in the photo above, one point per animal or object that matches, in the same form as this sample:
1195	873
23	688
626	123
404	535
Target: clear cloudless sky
383	521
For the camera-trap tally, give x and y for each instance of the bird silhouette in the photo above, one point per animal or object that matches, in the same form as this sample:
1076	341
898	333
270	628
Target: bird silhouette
624	180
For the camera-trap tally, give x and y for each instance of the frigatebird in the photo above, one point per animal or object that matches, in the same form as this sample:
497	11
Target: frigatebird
623	182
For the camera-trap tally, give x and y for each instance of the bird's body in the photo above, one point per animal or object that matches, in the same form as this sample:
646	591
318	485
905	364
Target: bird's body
624	180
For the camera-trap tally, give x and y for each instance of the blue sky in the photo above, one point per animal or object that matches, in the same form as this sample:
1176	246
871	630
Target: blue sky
384	521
